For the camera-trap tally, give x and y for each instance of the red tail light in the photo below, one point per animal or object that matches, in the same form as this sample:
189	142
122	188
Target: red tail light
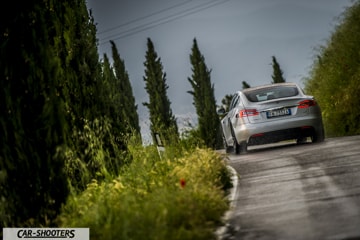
248	113
307	103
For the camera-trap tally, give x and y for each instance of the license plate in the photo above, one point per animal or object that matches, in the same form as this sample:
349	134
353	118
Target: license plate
278	113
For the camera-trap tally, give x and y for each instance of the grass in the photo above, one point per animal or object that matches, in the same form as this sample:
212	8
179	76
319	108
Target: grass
169	198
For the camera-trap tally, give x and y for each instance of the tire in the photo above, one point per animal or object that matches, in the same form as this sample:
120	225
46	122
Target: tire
228	149
301	140
236	146
239	148
243	147
319	136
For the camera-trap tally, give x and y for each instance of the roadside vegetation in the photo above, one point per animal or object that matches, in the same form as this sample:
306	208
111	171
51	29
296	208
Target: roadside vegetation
173	197
335	76
71	152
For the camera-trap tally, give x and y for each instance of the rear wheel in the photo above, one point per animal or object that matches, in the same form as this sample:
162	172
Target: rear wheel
318	136
238	148
228	149
243	147
301	140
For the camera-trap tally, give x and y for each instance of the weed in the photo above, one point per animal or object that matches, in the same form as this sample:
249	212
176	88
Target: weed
176	197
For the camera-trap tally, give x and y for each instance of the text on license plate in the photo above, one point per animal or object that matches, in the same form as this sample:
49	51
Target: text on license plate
278	112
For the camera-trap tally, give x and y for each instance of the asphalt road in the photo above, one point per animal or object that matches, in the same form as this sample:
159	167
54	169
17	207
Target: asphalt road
289	191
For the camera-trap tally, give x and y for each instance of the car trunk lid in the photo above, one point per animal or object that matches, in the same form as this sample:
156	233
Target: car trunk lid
273	110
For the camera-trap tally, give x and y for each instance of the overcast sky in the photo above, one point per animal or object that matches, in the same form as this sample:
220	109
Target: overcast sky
236	37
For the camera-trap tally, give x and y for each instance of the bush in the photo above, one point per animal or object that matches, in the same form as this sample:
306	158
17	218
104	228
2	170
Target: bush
334	78
180	198
95	153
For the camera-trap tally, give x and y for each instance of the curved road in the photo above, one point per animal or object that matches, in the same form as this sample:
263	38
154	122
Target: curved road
289	191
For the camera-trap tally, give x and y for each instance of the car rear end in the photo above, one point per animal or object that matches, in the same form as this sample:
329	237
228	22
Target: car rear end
275	113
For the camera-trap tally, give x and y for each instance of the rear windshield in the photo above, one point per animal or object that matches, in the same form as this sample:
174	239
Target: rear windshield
269	93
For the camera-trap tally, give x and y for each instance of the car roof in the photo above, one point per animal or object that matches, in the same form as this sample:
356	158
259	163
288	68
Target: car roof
267	86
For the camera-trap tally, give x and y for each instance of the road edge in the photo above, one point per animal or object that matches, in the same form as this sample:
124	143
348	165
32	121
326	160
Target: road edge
223	231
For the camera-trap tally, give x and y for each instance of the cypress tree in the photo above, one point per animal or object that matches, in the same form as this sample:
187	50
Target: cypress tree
204	99
114	128
81	60
105	86
277	75
77	47
92	107
33	184
128	107
162	120
112	98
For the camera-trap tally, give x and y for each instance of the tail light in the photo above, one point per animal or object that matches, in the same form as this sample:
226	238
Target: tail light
248	113
307	103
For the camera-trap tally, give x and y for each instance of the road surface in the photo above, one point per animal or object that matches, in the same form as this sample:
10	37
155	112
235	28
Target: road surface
289	191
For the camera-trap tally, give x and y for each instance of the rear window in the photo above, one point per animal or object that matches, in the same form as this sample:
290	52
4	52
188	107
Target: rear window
269	93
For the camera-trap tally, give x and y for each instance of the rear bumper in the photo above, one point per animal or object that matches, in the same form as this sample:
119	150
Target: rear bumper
281	135
280	130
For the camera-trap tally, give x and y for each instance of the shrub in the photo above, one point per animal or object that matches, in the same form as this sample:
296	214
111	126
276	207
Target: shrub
180	198
334	77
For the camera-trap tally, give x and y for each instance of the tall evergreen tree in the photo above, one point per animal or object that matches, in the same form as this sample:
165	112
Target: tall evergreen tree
105	88
33	129
128	107
113	99
93	115
277	75
162	120
81	60
112	138
82	78
204	99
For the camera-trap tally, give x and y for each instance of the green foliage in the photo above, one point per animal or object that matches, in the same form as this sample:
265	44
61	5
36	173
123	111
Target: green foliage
62	132
277	75
58	113
204	99
102	157
96	145
334	78
124	94
191	138
226	101
32	125
162	120
180	198
80	60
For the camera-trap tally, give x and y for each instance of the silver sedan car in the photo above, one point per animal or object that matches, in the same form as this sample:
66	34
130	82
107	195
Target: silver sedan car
269	114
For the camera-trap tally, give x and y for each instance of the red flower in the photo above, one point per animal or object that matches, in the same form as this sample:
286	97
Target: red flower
182	183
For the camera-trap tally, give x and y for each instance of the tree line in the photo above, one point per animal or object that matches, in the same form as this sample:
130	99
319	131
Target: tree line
66	117
335	75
